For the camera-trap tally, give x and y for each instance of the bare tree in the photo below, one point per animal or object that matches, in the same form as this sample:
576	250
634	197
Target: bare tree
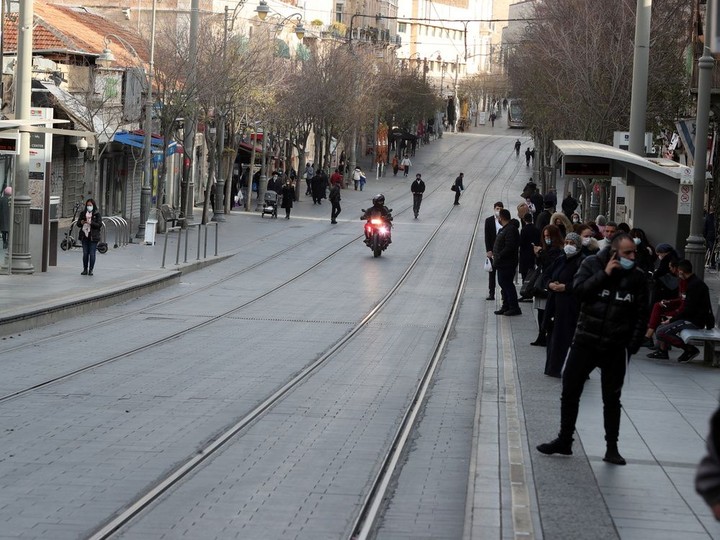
573	68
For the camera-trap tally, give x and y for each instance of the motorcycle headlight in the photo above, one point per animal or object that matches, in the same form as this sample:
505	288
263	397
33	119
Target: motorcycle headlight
383	230
376	221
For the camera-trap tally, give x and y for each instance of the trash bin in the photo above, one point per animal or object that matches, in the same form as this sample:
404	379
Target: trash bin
150	231
54	204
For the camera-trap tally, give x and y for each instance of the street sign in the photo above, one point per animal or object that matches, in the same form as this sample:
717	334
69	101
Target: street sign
684	199
9	144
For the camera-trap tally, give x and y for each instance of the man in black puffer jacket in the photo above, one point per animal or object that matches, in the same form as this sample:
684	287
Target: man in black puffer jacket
610	328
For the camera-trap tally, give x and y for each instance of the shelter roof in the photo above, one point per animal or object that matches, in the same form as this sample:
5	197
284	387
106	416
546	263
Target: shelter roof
666	167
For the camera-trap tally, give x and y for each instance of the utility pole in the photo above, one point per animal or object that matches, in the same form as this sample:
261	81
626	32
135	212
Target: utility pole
638	101
219	214
190	123
695	247
21	260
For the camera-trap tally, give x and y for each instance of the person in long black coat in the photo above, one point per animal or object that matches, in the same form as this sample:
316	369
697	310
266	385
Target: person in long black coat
664	283
529	237
317	187
288	196
550	249
562	308
5	215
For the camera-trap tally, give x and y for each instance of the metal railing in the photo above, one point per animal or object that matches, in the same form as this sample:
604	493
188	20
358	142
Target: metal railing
204	236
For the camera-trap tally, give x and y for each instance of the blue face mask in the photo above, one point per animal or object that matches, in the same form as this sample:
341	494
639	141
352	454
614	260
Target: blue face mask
627	264
548	241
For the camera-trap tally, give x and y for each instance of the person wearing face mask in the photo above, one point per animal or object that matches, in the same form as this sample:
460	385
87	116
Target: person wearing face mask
575	219
545	255
529	235
561	308
610	328
664	283
696	312
587	237
645	259
664	309
492	226
90	224
562	222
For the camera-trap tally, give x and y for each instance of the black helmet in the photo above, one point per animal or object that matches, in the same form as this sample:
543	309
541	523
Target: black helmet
379	200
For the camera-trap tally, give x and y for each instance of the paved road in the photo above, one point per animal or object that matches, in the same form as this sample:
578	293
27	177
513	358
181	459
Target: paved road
77	451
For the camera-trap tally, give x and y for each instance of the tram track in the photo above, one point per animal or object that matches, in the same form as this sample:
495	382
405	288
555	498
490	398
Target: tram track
369	513
194	327
227	278
220	441
369	509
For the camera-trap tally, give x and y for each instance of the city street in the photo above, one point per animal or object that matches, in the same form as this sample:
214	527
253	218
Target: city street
258	397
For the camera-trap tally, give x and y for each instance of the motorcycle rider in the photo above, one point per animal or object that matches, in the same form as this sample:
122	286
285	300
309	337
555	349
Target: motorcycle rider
378	209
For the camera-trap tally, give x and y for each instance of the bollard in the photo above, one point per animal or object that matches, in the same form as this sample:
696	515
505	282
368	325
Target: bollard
177	252
198	246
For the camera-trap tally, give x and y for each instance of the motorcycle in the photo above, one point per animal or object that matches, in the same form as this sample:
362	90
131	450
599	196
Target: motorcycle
377	232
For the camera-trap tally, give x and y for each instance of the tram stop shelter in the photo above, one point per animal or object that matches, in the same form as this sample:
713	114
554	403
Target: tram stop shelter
658	194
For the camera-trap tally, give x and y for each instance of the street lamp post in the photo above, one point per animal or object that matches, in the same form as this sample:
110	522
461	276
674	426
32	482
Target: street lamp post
105	60
262	11
146	190
695	247
219	206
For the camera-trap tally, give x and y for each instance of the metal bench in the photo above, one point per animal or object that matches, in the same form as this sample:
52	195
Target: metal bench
708	338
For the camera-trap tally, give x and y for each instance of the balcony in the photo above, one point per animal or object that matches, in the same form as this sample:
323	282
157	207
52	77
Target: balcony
377	36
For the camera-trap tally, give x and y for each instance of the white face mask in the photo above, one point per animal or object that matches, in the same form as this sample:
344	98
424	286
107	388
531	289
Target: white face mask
570	250
497	213
89	208
637	241
586	240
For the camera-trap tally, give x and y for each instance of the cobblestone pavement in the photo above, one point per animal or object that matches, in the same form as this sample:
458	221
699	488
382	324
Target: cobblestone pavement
472	471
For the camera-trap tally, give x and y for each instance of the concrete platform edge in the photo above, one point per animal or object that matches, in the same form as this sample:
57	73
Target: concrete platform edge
53	311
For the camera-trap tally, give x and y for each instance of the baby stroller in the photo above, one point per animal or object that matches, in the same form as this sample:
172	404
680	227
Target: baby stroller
270	204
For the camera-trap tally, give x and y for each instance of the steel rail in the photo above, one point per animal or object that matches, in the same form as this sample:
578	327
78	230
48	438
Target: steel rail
203	454
370	508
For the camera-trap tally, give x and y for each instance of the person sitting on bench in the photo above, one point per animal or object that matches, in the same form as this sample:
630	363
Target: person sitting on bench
696	312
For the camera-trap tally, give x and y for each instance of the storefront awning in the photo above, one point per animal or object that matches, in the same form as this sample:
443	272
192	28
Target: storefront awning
246	147
137	139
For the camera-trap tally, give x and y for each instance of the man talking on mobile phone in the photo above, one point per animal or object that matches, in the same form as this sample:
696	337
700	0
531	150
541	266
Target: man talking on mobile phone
613	315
